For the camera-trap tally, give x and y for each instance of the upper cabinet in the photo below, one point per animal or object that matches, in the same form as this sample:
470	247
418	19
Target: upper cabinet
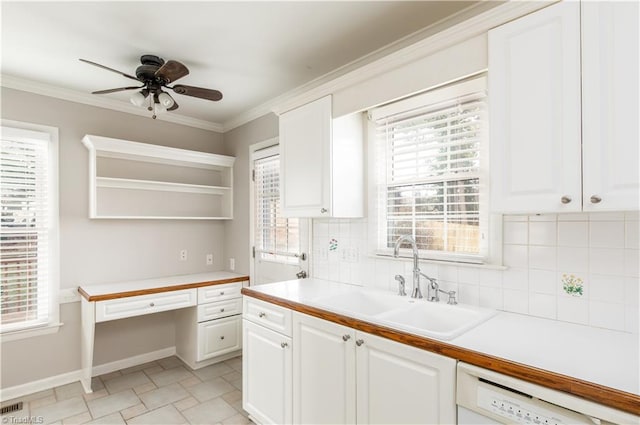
321	162
130	180
564	133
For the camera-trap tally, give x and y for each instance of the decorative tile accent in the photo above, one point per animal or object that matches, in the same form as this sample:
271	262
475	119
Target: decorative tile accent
572	285
333	244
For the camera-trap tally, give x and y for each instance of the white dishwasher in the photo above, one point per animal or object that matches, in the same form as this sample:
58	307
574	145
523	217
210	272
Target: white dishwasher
487	397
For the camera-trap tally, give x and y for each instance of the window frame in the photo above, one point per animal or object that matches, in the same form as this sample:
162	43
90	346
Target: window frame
490	251
50	135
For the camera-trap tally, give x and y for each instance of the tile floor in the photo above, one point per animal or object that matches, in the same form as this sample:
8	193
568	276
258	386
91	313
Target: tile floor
165	391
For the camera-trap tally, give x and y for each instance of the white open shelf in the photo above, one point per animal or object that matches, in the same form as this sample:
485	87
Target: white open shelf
131	180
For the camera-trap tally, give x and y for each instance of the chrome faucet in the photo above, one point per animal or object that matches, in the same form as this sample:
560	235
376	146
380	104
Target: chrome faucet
415	291
432	289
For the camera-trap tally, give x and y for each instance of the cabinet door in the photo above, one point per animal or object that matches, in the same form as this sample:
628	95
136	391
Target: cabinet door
305	176
220	336
266	374
323	372
534	90
610	105
402	384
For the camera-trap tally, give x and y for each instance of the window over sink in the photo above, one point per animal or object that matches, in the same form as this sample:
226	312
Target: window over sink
430	172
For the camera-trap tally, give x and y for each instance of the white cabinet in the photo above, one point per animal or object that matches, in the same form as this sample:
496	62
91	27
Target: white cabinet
212	332
366	379
564	133
130	180
323	372
321	162
610	139
402	384
266	374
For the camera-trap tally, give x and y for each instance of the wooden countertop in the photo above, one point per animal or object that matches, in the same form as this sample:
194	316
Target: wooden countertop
612	397
110	291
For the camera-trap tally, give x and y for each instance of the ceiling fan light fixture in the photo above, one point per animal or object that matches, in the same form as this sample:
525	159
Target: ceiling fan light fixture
166	100
138	98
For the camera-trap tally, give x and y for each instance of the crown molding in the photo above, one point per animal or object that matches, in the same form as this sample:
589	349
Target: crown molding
49	90
429	40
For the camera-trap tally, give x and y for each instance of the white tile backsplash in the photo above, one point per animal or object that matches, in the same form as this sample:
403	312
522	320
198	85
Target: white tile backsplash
602	249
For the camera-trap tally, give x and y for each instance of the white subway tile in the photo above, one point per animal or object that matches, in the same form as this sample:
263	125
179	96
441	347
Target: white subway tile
543	282
321	271
632	262
381	280
448	273
345	272
491	298
606	288
515	256
513	217
469	275
606	260
606	234
355	270
573	258
543	217
632	319
345	230
573	233
542	305
574	310
542	257
632	291
516	301
516	279
430	269
491	278
334	272
467	294
515	232
320	228
543	233
632	234
607	315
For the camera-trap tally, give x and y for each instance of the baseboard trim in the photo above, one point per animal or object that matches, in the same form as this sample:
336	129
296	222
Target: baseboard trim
67	378
133	361
39	385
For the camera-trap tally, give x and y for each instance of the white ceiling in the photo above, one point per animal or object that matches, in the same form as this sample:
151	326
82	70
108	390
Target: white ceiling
251	51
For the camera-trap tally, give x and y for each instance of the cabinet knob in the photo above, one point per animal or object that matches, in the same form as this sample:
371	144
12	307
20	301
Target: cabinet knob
262	314
221	292
222	337
222	310
151	304
595	199
346	337
359	342
565	199
323	210
284	345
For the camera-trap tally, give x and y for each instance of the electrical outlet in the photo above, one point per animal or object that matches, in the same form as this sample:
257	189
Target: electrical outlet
183	255
232	264
209	259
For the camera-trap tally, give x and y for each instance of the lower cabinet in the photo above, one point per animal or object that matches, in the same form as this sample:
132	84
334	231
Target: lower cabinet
343	376
217	337
266	374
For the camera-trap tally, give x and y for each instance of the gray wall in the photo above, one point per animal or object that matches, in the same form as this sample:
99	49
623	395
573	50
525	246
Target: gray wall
237	142
99	251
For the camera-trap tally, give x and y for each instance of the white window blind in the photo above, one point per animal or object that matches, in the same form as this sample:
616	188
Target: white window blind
430	148
277	238
27	229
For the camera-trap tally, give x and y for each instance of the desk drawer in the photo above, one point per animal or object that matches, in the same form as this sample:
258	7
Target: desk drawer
217	337
226	291
144	304
268	315
219	309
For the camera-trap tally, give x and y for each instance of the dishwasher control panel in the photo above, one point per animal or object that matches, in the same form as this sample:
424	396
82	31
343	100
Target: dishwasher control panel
522	410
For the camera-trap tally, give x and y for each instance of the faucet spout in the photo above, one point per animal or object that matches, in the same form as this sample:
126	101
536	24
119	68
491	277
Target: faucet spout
415	291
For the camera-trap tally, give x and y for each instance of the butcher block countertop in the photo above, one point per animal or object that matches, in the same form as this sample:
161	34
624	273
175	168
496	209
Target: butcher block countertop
596	364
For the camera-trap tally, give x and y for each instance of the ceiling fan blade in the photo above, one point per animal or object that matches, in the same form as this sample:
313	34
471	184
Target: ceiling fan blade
208	94
109	69
115	90
171	71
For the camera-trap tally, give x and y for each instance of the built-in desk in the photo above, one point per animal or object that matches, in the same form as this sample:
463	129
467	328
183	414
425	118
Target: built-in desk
210	304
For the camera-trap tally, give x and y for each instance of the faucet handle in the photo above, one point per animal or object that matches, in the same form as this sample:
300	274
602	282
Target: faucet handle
401	290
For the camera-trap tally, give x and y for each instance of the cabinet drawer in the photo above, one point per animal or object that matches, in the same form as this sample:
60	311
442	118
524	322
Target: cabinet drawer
217	337
144	304
219	309
268	315
207	294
